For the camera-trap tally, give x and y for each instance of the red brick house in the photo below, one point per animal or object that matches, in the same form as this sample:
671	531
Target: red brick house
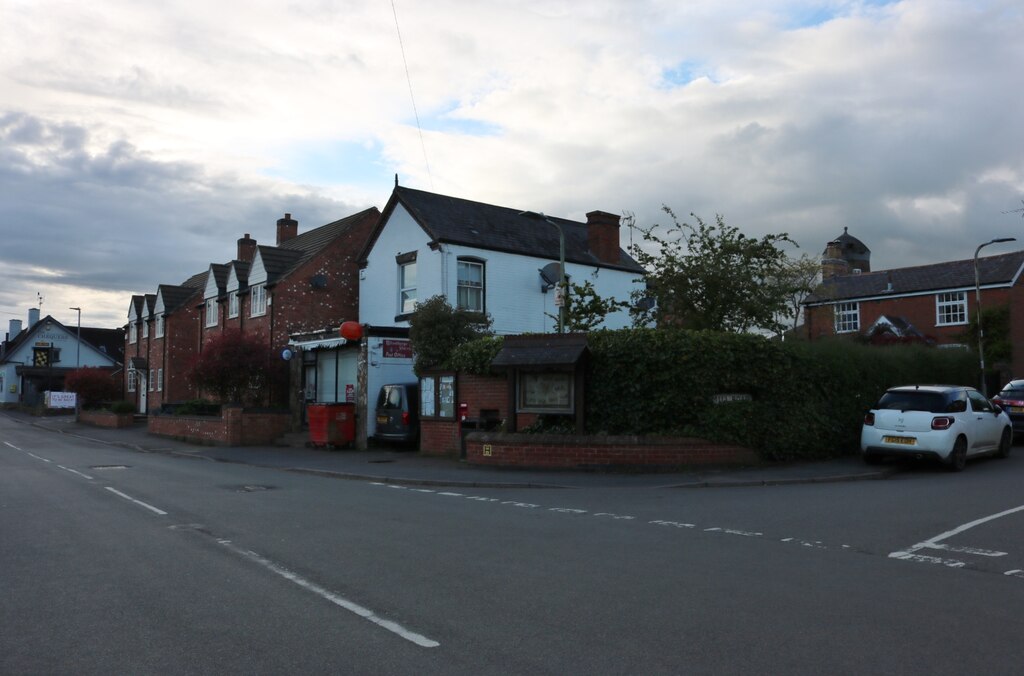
306	282
934	303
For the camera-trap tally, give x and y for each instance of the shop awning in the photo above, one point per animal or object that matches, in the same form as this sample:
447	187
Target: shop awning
318	344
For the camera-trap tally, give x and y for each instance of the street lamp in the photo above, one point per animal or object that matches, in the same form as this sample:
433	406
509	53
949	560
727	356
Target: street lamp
977	302
561	264
78	346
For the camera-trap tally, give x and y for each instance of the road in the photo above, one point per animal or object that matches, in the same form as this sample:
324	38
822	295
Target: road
115	561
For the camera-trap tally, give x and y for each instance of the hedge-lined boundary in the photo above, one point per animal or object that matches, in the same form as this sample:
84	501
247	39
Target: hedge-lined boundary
807	400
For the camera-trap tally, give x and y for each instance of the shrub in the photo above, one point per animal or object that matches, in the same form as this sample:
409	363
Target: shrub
92	385
476	356
437	329
236	367
122	407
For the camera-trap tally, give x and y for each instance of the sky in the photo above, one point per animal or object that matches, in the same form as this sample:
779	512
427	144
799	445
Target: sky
140	140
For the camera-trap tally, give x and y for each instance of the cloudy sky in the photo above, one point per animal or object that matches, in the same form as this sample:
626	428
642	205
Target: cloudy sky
139	140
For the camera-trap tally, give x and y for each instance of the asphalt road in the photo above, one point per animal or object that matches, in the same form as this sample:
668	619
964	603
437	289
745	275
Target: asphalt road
115	561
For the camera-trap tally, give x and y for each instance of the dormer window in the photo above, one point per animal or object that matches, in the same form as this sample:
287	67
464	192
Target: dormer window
258	301
233	304
211	312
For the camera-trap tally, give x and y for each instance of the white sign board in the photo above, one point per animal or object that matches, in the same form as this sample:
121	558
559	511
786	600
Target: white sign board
61	399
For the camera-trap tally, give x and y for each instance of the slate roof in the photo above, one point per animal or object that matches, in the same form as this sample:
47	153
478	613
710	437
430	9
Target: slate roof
484	226
108	341
220	275
281	260
1001	270
242	273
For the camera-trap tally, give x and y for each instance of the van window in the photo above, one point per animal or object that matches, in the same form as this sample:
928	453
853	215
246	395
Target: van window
390	397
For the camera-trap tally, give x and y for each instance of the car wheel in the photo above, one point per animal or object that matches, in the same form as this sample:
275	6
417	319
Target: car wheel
1004	444
958	458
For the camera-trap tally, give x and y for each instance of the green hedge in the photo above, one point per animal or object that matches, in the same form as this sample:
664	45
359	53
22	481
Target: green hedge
807	399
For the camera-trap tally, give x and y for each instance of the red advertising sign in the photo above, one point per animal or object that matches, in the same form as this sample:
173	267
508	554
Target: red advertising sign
397	349
350	392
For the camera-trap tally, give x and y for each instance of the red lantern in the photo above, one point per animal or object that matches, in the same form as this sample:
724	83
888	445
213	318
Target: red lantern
351	330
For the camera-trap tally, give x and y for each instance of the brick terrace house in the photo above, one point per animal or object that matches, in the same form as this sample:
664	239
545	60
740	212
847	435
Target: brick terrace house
305	283
935	301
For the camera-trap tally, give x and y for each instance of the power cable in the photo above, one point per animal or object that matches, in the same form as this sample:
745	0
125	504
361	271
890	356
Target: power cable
415	113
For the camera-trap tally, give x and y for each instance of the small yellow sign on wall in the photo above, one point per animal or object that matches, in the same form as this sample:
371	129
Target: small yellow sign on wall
488	451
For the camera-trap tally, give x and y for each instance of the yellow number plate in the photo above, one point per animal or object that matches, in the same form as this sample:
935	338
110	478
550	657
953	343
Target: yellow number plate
903	441
382	419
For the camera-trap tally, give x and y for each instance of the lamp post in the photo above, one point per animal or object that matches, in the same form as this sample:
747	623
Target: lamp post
561	264
977	302
78	345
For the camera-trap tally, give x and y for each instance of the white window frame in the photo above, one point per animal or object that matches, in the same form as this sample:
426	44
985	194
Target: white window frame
133	333
470	287
847	317
258	300
951	308
211	312
159	330
151	379
406	291
159	380
233	304
132	378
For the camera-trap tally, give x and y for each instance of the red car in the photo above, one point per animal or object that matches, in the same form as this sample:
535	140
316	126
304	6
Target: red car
1011	400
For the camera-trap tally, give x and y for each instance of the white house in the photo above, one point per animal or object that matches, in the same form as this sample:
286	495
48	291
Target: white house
483	258
37	358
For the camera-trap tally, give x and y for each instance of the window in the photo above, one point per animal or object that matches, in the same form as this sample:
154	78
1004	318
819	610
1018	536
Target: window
545	392
151	383
258	302
437	396
233	304
847	317
133	335
951	308
407	287
159	380
159	326
471	286
131	380
145	330
211	312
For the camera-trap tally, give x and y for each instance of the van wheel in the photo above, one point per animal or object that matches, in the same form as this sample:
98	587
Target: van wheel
958	458
1004	444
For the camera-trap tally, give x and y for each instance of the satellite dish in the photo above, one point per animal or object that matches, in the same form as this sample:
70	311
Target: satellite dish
550	274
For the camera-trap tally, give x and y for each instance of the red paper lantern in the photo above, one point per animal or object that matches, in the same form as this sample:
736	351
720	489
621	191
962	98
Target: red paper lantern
351	330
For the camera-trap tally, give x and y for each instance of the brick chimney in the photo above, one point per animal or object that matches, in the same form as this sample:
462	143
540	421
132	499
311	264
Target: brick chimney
833	263
603	236
247	247
287	228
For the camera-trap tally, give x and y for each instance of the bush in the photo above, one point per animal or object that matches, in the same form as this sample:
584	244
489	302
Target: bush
93	386
807	399
476	356
122	407
196	407
437	329
236	367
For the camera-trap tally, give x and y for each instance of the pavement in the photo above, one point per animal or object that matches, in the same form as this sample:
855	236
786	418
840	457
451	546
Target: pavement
409	467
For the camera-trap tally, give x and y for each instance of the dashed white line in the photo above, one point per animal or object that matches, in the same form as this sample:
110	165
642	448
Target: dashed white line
365	613
37	457
137	502
74	471
7	443
1015	573
966	550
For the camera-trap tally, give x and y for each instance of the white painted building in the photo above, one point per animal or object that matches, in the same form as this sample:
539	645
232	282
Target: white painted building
37	358
482	258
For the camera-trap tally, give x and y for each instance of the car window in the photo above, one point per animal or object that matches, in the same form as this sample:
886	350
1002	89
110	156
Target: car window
913	400
390	397
979	402
1012	393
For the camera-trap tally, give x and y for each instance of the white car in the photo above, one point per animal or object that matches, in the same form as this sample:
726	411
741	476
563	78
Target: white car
938	421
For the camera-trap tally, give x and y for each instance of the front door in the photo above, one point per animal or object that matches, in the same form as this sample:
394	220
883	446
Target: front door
143	386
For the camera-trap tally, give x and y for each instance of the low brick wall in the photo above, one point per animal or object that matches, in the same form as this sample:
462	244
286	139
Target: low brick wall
235	427
106	418
550	451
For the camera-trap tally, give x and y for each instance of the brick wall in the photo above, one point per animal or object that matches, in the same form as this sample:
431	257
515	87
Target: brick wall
235	427
105	418
544	451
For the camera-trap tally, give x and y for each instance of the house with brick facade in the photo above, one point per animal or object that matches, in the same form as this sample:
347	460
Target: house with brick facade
306	283
933	302
481	258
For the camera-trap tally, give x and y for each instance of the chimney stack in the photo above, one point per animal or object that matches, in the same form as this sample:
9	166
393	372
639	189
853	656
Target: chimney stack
33	316
14	329
247	248
603	236
833	263
287	228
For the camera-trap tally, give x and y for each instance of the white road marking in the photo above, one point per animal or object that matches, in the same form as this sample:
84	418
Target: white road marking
337	600
620	517
528	505
731	531
674	524
933	543
7	443
967	550
921	558
450	494
567	510
137	502
74	471
39	458
1015	573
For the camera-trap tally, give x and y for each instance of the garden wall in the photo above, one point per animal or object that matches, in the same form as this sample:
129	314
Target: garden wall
234	427
601	452
106	418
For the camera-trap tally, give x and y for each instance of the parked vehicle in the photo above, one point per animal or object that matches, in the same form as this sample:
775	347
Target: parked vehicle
398	418
1011	400
948	423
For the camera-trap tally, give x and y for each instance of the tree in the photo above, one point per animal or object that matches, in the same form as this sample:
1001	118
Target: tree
996	322
235	367
436	329
800	276
585	309
93	385
711	276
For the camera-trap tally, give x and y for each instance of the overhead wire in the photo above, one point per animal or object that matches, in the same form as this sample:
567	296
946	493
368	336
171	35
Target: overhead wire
412	97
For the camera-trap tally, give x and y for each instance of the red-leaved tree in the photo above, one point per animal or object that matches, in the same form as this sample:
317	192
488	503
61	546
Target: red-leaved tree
93	385
235	368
